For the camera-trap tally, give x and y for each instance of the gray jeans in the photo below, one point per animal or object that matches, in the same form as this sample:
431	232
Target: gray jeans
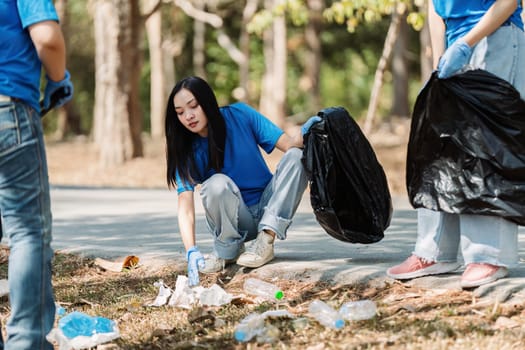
482	239
232	222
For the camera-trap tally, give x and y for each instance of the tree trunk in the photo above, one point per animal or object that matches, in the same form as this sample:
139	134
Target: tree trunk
244	46
116	124
68	118
158	95
313	58
381	67
135	54
199	42
273	90
426	48
400	106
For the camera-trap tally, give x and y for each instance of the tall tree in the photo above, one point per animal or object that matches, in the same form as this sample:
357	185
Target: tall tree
68	118
400	106
117	118
199	42
312	71
161	76
273	89
425	53
244	46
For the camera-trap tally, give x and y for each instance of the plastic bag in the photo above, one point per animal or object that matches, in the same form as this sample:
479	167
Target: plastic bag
466	151
348	187
77	330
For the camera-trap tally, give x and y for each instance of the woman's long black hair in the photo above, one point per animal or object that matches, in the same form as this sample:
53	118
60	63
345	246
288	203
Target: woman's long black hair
179	140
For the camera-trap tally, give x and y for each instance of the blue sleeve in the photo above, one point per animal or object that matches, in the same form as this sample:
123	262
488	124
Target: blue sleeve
31	11
265	131
181	185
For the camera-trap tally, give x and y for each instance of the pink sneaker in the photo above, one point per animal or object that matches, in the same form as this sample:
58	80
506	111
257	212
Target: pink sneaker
415	266
477	274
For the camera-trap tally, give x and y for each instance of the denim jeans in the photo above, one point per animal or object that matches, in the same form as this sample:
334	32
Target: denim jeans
482	239
232	222
26	219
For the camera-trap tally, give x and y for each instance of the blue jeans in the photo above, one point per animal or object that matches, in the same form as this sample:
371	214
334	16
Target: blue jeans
232	222
481	239
26	220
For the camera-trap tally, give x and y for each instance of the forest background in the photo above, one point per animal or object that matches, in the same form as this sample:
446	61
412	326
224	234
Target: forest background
287	58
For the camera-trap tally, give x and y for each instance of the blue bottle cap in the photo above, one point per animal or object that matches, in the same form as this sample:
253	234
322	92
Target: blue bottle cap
240	335
339	323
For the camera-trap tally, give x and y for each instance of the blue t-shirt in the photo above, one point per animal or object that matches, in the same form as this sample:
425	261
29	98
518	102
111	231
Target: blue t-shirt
20	67
461	15
246	131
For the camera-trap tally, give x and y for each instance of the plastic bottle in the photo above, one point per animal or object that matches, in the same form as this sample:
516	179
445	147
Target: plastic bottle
249	327
358	310
325	314
269	334
263	289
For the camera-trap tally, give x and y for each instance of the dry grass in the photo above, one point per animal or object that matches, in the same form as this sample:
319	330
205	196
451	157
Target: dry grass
407	318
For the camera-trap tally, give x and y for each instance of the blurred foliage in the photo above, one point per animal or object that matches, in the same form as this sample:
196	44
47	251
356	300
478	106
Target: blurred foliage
352	40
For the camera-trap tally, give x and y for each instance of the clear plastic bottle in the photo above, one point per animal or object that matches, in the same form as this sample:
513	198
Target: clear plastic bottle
263	289
325	314
358	310
249	327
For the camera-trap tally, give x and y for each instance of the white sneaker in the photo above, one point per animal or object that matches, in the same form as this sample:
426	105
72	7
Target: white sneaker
215	264
259	252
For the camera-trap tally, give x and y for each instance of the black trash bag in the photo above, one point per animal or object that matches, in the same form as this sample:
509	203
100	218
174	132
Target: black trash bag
466	151
348	188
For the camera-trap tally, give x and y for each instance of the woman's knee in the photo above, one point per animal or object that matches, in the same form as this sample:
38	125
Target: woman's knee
216	186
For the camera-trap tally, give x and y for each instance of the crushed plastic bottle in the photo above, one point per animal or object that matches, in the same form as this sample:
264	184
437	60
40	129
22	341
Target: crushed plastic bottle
325	314
214	296
358	310
249	327
268	334
263	289
300	323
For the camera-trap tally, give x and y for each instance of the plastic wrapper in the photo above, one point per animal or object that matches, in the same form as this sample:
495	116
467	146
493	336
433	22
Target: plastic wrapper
466	151
348	188
77	330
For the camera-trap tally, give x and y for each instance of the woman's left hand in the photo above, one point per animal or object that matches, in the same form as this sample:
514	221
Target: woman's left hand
454	58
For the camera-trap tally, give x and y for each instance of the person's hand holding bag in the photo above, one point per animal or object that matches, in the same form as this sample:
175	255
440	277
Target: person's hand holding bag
306	126
454	58
195	263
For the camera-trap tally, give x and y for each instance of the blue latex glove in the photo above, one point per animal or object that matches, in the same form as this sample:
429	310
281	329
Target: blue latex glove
454	58
63	88
195	262
306	126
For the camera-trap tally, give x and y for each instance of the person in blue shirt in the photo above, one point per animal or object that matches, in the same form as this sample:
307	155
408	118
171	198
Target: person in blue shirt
220	150
30	38
470	34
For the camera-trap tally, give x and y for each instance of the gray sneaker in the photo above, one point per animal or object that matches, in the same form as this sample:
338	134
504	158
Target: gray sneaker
215	264
259	252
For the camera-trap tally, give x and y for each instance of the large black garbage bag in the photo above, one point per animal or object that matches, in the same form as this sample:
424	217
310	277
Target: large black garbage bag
348	188
466	151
